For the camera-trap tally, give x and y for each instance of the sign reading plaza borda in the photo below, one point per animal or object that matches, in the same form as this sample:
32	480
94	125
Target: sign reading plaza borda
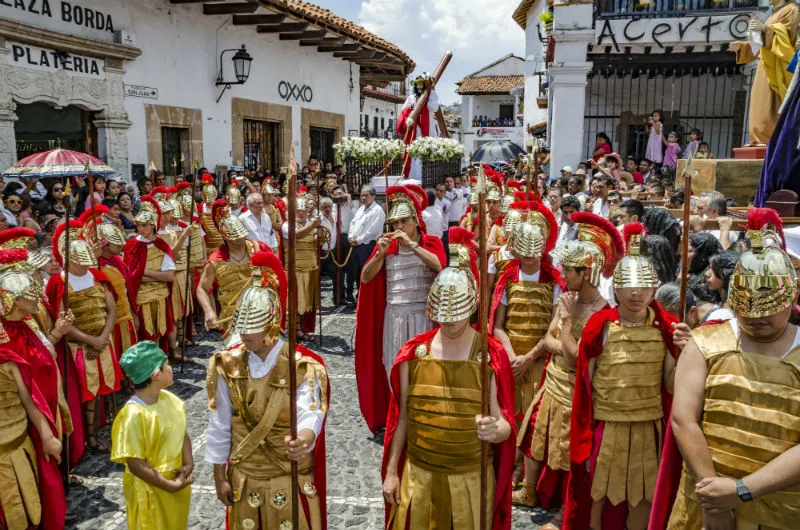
64	14
28	56
664	32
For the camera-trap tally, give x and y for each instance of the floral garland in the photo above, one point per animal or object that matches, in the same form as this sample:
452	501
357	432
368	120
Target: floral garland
369	150
435	149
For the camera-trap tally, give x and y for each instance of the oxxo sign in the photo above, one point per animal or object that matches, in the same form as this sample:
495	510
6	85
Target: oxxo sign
664	32
289	91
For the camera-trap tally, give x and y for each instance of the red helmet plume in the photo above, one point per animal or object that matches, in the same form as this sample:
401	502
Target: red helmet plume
12	234
759	218
616	249
208	178
630	230
219	210
271	261
75	226
420	194
552	236
14	255
461	236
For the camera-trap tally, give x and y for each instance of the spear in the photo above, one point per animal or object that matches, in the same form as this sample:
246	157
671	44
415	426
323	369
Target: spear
688	173
291	265
483	308
92	198
65	310
189	274
152	169
319	250
174	171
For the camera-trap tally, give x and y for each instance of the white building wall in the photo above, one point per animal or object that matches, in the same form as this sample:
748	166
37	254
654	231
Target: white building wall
534	49
180	58
510	66
383	110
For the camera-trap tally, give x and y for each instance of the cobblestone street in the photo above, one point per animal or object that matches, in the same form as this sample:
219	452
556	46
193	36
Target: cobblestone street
353	455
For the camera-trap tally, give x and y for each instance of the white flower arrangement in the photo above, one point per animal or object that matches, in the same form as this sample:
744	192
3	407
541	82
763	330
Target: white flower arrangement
369	150
435	149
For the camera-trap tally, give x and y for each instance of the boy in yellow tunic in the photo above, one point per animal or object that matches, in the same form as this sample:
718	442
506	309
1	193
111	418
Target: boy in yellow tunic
149	437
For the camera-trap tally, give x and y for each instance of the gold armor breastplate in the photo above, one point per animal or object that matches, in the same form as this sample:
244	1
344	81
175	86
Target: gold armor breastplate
232	279
629	372
750	416
152	291
443	399
251	399
197	246
530	307
121	288
213	237
178	255
305	251
559	379
500	262
89	308
13	420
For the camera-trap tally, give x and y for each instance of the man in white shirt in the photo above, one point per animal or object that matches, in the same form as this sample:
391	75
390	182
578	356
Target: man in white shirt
32	186
567	231
365	229
601	185
462	196
432	216
259	227
456	200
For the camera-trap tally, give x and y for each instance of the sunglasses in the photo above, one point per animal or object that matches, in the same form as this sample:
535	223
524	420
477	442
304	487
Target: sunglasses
13	201
56	188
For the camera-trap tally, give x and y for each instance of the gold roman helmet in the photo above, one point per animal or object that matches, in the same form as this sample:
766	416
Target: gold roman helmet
166	206
267	188
159	193
15	282
598	246
95	228
149	212
494	187
634	269
18	238
472	196
508	196
403	204
512	218
80	251
230	226
177	207
233	194
261	305
537	235
209	190
763	282
454	294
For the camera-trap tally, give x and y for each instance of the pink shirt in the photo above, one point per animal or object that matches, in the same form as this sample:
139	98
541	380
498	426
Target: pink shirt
671	156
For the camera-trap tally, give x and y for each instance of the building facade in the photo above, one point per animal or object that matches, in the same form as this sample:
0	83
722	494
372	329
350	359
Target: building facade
380	107
492	103
137	82
609	64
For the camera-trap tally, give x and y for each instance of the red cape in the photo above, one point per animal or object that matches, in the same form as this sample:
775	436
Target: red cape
669	474
423	122
373	385
547	274
117	262
503	453
136	256
578	505
51	490
55	288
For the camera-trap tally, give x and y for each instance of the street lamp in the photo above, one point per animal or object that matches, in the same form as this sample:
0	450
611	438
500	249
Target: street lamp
241	69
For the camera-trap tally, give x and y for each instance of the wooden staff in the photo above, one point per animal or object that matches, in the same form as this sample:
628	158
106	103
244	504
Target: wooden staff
92	199
174	171
422	104
688	173
65	310
483	310
189	276
152	169
319	251
291	266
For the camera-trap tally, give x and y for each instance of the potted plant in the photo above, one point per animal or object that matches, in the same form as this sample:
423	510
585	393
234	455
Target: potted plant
546	19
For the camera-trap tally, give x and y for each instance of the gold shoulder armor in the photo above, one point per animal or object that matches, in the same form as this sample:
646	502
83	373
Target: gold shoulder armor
309	369
230	364
715	339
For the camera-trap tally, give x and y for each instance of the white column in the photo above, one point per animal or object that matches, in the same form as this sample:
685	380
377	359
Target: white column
8	140
112	142
568	86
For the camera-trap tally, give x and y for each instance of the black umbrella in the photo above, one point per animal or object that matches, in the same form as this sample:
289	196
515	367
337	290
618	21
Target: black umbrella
497	151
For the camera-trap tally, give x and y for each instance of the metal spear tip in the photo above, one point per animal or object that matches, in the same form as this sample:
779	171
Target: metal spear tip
152	166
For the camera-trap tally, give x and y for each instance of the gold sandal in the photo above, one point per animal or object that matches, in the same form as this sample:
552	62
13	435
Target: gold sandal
525	495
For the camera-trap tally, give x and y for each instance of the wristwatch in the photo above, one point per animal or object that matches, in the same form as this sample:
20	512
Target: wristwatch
414	246
743	492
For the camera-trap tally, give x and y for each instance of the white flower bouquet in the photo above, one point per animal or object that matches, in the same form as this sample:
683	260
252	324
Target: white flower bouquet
369	150
435	149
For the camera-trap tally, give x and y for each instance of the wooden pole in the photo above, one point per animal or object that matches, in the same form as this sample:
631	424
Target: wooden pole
189	277
319	250
65	310
339	280
483	308
422	104
92	199
687	200
291	266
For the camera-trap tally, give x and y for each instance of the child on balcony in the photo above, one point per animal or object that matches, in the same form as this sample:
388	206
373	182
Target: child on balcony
673	148
655	138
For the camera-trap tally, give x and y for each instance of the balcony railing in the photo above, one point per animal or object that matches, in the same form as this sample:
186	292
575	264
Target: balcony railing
669	8
376	133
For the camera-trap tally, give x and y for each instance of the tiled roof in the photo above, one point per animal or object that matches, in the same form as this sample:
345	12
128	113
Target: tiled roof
520	15
383	96
328	20
496	84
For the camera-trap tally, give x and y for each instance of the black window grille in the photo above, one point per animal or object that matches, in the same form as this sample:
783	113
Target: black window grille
322	141
261	145
171	140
